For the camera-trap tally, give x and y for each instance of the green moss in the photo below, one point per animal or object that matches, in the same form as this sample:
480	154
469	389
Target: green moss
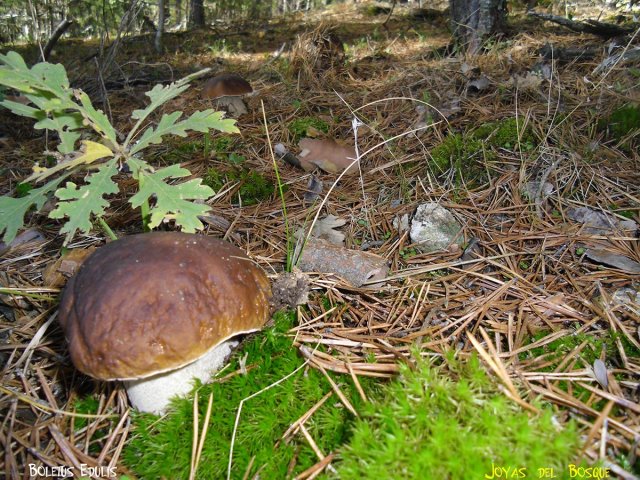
86	405
560	347
461	153
622	122
90	405
254	187
180	151
507	133
407	253
299	127
452	151
162	447
223	144
429	425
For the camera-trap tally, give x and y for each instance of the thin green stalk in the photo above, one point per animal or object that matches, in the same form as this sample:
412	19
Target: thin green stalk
145	208
21	293
107	228
207	144
289	264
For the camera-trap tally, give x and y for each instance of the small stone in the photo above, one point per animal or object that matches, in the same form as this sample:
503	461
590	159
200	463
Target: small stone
434	228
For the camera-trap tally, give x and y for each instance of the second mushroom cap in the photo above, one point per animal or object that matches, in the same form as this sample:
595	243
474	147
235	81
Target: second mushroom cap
227	89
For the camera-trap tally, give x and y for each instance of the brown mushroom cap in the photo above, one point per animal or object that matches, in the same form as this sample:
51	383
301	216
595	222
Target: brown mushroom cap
154	302
228	84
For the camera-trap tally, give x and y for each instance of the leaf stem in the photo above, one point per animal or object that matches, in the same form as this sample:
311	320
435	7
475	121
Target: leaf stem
107	229
145	208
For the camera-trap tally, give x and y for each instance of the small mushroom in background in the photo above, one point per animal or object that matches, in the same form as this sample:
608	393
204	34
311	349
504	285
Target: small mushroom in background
228	89
159	310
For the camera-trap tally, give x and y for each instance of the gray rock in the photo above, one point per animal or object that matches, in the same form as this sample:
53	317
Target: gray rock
434	228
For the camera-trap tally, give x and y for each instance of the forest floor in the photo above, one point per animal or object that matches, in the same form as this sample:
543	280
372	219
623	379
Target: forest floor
531	146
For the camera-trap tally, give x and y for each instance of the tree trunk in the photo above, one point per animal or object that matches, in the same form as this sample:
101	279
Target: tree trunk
55	36
472	21
178	14
160	29
196	13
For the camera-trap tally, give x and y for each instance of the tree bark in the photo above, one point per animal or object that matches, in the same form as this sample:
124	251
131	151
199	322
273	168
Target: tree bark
160	29
55	36
178	14
472	21
196	13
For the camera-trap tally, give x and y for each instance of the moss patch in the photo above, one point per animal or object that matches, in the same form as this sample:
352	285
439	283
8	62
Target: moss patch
86	405
89	405
162	448
459	152
466	152
223	145
304	126
508	133
622	122
429	425
181	151
562	346
254	187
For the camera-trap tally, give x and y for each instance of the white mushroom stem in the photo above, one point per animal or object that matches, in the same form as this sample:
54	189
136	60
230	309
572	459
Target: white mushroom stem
234	105
153	394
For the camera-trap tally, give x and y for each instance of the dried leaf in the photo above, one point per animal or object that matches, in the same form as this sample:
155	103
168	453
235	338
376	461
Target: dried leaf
627	297
613	259
328	155
28	236
531	82
469	71
313	132
355	266
600	223
325	228
473	251
314	189
57	272
479	84
600	372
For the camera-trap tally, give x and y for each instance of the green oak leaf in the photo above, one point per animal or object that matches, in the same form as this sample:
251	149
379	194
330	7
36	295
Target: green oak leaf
20	109
97	118
79	203
159	95
13	210
47	87
89	153
14	73
200	122
66	124
172	202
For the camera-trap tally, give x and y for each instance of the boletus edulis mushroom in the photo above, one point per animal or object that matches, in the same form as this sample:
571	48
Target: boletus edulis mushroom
159	310
227	90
